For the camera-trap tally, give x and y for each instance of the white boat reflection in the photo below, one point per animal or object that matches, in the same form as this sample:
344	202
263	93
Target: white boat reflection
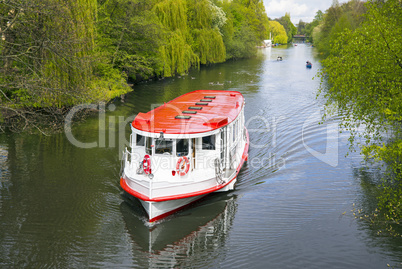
199	228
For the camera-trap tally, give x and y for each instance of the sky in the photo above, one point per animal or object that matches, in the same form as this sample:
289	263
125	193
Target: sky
298	9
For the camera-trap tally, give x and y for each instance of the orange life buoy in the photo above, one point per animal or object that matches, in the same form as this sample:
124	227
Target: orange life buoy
146	164
182	166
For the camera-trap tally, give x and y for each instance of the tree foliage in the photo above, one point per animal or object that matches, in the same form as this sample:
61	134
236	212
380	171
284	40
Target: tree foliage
55	53
128	39
278	33
247	25
287	24
334	21
364	70
176	53
307	29
301	27
48	57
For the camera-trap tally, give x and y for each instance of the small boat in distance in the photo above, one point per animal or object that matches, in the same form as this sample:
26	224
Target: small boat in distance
185	149
279	58
309	64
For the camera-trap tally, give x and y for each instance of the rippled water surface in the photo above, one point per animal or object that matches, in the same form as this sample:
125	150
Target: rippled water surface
61	205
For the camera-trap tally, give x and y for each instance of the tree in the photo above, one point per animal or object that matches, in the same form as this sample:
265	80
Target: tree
278	33
309	29
290	29
46	51
364	70
129	36
246	26
335	20
47	58
207	21
319	16
301	28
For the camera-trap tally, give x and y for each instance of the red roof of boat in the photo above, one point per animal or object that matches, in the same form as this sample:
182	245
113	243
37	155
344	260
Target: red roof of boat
199	111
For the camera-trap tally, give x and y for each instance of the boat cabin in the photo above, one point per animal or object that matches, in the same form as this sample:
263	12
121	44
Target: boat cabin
196	130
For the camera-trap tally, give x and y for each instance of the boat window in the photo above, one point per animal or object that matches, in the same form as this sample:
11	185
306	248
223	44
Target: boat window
140	140
148	148
163	146
182	147
208	142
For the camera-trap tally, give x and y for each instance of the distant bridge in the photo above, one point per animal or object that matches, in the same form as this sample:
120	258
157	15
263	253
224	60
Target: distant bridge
300	38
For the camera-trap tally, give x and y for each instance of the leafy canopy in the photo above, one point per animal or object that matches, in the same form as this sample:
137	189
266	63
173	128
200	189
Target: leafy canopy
364	70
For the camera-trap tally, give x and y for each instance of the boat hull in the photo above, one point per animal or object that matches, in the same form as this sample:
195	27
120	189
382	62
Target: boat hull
159	210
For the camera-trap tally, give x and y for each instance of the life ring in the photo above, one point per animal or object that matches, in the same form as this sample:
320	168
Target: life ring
182	166
146	164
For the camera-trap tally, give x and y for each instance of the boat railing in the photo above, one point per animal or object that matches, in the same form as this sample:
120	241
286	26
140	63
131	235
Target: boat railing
123	163
222	154
232	152
128	159
218	171
232	155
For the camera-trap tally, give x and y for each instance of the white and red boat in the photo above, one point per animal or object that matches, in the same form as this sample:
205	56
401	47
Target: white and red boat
185	149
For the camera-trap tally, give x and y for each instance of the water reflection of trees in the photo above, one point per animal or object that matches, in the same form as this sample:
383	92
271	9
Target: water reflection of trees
382	232
50	204
188	237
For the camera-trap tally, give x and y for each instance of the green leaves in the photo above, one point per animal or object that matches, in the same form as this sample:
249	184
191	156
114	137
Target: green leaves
278	33
288	26
365	76
57	53
336	20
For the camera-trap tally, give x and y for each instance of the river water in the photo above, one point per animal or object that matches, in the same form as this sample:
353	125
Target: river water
61	205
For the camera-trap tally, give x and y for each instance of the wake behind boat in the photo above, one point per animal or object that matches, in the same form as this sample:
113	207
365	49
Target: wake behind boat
185	149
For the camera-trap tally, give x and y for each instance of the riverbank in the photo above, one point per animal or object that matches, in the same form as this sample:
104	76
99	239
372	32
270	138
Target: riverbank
15	117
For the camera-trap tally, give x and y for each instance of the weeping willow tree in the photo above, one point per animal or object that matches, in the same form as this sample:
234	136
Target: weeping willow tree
278	33
200	14
47	52
67	67
209	46
177	55
47	57
173	14
207	21
193	34
58	53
